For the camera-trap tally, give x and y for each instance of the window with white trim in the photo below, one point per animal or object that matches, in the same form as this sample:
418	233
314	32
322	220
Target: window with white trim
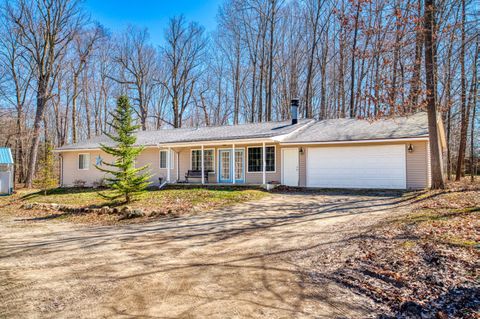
255	159
208	160
83	161
163	159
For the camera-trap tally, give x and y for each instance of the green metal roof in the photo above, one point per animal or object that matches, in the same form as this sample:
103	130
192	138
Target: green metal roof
5	156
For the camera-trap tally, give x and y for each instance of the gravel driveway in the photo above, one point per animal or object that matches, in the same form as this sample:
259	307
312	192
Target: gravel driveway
264	259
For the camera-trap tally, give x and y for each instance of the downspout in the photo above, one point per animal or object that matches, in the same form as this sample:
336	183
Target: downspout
61	170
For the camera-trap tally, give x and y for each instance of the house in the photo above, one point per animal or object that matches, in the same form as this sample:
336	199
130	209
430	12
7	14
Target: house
337	153
6	171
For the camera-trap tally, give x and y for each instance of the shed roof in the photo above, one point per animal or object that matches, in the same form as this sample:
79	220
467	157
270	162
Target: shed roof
5	156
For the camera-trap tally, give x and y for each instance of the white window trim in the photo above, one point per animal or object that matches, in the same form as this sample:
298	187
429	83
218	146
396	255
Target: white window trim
274	156
172	160
244	161
205	149
88	162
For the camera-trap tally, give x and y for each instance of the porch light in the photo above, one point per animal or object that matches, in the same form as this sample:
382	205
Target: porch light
302	151
410	148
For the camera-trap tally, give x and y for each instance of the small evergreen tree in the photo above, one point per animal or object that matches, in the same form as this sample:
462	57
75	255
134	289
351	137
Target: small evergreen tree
126	181
46	174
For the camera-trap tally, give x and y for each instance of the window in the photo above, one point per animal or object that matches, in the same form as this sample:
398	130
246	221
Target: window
208	160
163	159
83	161
255	159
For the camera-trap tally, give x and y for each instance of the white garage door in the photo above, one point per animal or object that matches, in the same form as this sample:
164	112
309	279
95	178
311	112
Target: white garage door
357	167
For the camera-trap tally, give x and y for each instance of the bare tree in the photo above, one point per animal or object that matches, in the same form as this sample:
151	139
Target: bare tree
138	66
435	154
313	11
83	46
185	45
367	61
415	80
46	29
16	63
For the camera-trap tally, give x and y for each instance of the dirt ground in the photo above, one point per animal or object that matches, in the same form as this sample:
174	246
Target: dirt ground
253	260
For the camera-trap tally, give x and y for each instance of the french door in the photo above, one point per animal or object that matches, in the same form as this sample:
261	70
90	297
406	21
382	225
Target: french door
228	169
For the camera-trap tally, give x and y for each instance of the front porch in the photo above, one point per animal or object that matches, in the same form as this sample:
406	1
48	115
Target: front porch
252	164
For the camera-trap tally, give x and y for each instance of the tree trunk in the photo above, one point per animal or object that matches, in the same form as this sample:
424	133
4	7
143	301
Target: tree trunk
19	171
260	87
464	113
311	58
415	82
143	108
396	56
473	164
236	91
448	105
473	104
41	103
254	77
268	111
435	154
74	108
449	147
352	67
341	75
88	115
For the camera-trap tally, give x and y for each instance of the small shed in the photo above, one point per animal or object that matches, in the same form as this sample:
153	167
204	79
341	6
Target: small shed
6	171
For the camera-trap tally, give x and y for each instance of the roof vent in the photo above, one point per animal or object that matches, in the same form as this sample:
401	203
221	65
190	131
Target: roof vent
294	110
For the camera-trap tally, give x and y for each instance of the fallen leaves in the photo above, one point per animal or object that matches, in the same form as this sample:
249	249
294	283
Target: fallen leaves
425	264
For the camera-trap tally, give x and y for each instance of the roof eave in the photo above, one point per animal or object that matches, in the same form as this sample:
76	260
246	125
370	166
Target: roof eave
400	139
267	139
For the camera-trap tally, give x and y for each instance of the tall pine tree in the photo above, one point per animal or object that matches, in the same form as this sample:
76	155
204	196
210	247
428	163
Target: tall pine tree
126	181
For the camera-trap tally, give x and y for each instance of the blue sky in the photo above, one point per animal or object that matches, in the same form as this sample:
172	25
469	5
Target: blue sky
115	15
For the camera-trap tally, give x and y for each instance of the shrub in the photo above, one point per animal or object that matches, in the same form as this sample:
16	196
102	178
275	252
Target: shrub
79	183
99	183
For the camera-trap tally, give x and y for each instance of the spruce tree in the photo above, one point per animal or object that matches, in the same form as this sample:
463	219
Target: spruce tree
125	180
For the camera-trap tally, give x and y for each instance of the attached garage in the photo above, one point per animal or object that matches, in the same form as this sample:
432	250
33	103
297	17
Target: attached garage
378	166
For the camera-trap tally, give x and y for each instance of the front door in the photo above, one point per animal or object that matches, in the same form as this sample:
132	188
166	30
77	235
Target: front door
226	164
290	169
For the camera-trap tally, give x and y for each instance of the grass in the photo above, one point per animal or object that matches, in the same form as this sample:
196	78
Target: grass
426	215
151	199
169	201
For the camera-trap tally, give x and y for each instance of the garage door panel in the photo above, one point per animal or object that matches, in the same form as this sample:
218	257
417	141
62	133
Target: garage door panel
357	167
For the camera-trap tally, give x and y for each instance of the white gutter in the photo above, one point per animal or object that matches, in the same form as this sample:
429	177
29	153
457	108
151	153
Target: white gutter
216	142
185	144
91	149
76	150
405	139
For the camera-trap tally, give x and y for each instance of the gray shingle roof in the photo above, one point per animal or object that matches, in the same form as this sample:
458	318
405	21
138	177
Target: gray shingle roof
311	132
211	133
355	130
